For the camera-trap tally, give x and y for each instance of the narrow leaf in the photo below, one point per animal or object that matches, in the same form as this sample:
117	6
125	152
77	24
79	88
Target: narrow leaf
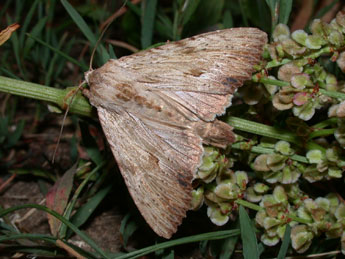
57	197
286	242
36	30
82	214
62	54
127	228
14	136
189	10
27	21
228	246
250	245
85	29
285	7
274	8
148	13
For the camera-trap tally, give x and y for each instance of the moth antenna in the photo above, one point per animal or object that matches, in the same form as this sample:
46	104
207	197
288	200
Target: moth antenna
64	119
118	13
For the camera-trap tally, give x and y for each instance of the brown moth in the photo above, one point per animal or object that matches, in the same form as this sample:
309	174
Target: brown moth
157	107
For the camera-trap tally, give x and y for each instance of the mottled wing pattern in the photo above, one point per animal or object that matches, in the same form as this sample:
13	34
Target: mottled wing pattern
204	69
158	163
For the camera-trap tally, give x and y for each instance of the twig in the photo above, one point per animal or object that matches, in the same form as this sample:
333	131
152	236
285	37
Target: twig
123	45
117	14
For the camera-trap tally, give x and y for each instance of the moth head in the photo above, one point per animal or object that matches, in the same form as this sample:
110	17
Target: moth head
87	74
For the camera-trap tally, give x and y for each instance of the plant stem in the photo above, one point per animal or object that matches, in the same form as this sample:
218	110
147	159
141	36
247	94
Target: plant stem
270	81
59	97
257	208
263	150
81	106
321	133
262	130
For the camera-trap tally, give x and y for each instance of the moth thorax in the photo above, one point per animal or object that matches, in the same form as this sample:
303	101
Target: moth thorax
87	74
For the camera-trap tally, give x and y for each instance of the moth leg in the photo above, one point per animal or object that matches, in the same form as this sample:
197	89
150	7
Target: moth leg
215	133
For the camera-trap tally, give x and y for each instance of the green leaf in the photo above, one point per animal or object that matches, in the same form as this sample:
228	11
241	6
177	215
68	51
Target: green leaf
148	13
228	246
85	30
286	242
189	10
37	29
285	7
81	234
14	137
84	212
90	144
184	240
227	19
4	121
61	53
171	255
274	9
4	7
255	12
250	245
164	25
127	228
16	49
112	52
27	21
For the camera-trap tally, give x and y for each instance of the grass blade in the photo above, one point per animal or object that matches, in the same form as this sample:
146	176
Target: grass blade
27	22
148	13
274	7
41	237
62	54
286	242
185	240
189	10
285	7
16	49
85	213
37	29
85	29
250	245
127	228
82	215
82	235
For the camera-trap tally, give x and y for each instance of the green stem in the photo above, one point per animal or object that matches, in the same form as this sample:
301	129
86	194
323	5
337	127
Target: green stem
81	106
249	205
258	208
325	123
302	61
59	97
333	94
321	133
262	130
263	150
270	81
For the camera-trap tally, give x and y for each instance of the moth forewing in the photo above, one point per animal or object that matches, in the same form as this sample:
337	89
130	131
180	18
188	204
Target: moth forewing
158	106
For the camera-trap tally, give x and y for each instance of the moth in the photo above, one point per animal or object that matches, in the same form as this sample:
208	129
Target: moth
158	106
